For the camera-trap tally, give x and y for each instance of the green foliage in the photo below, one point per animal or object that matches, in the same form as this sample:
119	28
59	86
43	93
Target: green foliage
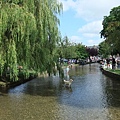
104	49
28	35
81	51
69	50
66	49
117	71
111	28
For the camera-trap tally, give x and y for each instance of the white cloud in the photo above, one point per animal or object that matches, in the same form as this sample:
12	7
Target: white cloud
94	9
91	42
92	13
91	29
90	35
75	39
90	32
90	10
85	40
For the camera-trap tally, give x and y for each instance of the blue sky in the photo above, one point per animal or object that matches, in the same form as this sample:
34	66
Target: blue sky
81	20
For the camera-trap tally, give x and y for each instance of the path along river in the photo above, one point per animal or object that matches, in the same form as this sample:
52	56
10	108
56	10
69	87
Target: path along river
93	96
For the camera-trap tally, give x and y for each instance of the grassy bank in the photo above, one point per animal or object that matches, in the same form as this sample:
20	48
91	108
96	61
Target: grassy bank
23	77
116	71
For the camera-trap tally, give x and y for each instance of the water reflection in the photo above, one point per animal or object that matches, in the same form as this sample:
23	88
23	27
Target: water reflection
92	96
41	86
66	73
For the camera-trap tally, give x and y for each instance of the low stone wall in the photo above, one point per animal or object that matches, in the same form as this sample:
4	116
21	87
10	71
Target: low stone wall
110	74
7	85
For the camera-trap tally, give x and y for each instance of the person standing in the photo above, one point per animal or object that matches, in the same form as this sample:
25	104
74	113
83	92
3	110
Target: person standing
108	62
113	63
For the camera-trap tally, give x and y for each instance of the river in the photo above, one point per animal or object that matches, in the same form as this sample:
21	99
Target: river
92	96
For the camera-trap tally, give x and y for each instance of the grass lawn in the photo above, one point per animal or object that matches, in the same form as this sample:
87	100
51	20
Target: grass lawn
117	71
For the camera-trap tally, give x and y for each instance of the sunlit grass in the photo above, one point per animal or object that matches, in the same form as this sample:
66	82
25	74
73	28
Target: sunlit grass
117	71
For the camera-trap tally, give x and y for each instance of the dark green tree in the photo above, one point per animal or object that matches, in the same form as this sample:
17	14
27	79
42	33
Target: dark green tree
67	49
104	49
81	51
111	28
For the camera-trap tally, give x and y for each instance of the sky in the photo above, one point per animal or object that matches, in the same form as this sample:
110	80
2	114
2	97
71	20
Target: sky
81	20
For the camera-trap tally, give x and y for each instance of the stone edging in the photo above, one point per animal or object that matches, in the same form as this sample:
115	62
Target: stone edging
4	85
110	74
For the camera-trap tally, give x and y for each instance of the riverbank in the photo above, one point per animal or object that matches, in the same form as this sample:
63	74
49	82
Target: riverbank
23	77
111	73
7	85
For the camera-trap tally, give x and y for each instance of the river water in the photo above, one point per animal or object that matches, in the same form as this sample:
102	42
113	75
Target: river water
92	96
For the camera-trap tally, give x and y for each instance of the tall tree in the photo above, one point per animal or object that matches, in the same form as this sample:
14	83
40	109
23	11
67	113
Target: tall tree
104	49
28	35
81	51
111	28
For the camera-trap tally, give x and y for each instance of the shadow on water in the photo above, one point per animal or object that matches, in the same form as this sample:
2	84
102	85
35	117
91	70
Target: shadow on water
112	91
40	86
90	88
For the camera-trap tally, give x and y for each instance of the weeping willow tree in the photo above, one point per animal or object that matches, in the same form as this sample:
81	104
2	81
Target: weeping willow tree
28	36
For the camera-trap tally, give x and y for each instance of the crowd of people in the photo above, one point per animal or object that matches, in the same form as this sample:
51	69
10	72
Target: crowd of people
113	62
